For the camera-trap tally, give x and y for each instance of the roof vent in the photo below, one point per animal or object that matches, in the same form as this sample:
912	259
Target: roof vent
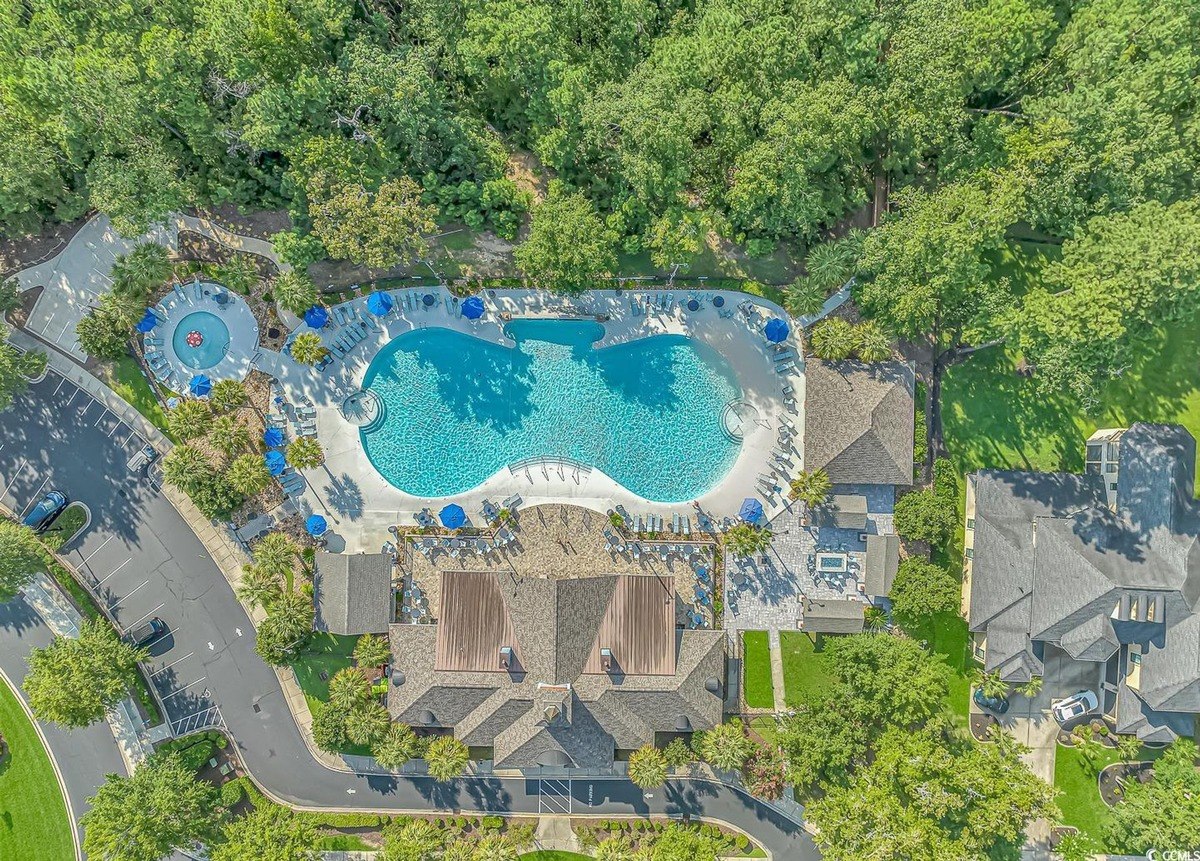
606	660
397	678
506	657
427	718
713	685
682	724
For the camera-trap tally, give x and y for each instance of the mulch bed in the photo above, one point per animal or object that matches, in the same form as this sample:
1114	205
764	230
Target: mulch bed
980	724
1112	778
21	252
260	224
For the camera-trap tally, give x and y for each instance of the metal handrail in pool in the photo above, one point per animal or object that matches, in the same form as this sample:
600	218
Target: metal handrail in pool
576	465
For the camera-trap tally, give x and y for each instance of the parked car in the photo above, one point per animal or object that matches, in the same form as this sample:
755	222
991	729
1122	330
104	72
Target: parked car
1075	706
999	705
49	507
148	631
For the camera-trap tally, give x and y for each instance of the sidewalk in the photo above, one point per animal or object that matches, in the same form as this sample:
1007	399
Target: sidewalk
776	670
63	620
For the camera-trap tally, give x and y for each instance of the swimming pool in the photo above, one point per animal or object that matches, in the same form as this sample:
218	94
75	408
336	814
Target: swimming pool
214	343
458	409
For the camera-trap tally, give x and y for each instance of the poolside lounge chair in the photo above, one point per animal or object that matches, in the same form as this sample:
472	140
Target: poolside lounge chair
179	292
687	525
511	502
674	522
636	549
159	312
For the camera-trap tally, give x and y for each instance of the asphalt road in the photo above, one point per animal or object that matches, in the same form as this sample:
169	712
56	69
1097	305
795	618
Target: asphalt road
146	561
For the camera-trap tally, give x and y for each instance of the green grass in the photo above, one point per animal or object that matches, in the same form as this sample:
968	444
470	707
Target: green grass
1075	778
806	671
326	653
124	377
756	670
65	525
33	815
949	639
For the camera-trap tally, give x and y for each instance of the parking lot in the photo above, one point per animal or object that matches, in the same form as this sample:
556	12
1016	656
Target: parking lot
59	438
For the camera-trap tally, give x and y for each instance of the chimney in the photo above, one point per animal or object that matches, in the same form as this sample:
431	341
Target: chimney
606	660
506	657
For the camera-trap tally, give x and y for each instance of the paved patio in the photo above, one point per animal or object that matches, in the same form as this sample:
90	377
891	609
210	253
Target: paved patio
764	593
178	305
559	542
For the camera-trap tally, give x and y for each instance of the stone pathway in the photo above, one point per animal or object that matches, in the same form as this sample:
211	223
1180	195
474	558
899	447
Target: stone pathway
555	833
777	670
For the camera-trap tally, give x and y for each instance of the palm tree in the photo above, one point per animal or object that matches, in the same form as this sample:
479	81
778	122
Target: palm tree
614	849
745	539
726	746
307	349
295	292
191	419
412	840
229	435
803	298
495	847
371	651
348	688
137	273
239	274
648	767
831	264
1129	748
991	684
1006	744
446	757
397	746
295	610
227	395
258	588
367	722
811	487
305	453
832	339
275	553
185	465
1031	688
874	618
874	345
459	850
248	475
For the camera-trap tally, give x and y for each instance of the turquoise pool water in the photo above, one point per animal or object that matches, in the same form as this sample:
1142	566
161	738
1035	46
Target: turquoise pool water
211	350
646	413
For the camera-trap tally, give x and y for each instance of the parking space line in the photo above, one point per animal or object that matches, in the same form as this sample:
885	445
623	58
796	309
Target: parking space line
98	549
184	688
16	475
88	407
128	438
102	415
144	615
135	588
116	427
173	663
73	394
115	570
33	499
61	382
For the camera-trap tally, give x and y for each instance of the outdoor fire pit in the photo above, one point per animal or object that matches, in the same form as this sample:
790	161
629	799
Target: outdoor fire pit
194	338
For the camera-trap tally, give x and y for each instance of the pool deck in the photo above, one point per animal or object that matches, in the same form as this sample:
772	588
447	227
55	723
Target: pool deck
190	298
360	504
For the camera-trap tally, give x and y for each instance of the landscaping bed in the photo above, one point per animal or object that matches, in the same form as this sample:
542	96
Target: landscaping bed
66	526
639	832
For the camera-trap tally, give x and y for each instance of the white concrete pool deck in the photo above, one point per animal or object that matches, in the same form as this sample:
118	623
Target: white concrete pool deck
187	299
361	504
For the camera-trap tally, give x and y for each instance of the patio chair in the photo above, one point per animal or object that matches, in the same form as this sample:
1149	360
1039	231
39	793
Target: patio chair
512	502
636	550
687	525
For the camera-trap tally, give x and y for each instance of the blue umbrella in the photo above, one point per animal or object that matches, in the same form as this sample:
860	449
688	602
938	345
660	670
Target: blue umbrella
472	309
452	516
273	437
776	330
379	304
316	317
316	525
751	510
276	462
148	322
200	385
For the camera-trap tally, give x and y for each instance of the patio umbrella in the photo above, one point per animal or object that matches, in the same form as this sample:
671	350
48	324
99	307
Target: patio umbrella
200	385
315	525
718	301
148	322
273	437
472	309
428	299
452	516
276	462
379	304
751	510
693	305
316	317
776	330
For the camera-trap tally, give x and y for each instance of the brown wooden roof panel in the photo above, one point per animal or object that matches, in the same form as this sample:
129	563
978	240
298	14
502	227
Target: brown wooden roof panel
474	623
638	627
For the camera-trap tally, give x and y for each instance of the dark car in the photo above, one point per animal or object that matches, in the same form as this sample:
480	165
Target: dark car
148	631
999	705
49	507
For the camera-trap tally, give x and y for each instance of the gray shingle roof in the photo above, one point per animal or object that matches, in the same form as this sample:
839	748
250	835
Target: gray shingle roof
1092	640
352	593
858	421
843	511
1154	482
833	616
883	560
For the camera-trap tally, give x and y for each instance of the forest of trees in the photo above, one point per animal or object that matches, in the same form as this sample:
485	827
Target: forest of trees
664	123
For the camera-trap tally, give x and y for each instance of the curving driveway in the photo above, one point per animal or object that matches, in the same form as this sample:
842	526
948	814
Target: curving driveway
146	561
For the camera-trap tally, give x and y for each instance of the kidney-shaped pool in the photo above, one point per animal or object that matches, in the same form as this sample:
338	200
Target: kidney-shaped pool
457	409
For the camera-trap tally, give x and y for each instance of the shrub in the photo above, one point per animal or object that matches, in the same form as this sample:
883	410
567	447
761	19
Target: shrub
232	793
492	823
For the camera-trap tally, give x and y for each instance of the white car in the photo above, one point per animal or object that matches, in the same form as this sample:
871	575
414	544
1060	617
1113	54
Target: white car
1075	706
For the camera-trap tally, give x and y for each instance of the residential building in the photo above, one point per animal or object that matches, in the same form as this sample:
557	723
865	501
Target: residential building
352	593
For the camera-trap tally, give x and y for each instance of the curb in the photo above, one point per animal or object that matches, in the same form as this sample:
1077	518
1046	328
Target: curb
62	785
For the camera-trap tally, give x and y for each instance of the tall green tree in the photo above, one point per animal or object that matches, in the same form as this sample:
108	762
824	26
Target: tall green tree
648	767
1164	811
269	831
446	757
569	248
160	808
21	557
379	228
923	590
726	746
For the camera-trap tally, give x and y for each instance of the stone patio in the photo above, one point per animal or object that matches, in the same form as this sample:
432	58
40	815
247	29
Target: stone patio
766	592
554	541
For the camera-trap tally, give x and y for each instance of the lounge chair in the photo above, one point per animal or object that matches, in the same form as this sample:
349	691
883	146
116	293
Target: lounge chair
687	526
512	502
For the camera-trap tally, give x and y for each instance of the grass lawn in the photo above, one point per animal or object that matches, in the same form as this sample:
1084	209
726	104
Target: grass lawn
1079	799
949	639
124	377
756	670
806	672
33	816
325	653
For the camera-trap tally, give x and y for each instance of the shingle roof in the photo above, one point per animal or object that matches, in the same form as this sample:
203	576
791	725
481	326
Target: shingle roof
843	511
858	421
883	560
352	593
833	616
1092	640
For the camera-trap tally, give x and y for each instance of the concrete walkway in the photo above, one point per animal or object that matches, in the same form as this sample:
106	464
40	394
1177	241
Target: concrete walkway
555	833
776	670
